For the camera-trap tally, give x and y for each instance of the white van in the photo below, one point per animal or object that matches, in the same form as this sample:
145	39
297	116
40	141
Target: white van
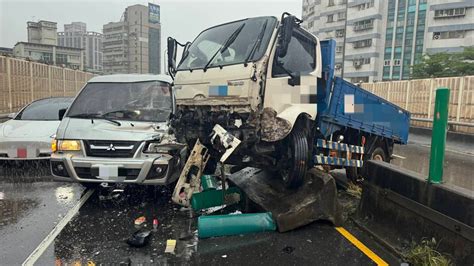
116	131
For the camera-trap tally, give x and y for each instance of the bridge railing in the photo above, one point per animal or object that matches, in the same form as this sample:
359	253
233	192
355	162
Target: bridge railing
23	81
417	96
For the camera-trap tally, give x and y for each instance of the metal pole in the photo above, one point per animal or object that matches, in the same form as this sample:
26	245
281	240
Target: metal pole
344	44
438	138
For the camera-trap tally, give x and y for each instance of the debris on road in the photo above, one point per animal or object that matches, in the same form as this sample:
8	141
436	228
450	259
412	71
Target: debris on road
155	225
188	181
315	200
139	239
170	245
140	220
235	224
213	198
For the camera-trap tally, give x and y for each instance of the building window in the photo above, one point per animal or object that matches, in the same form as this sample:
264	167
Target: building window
331	3
357	63
339	33
364	25
459	34
447	13
363	43
365	5
341	16
61	59
330	18
360	80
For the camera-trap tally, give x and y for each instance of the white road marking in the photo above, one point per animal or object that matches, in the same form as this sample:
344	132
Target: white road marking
34	256
398	156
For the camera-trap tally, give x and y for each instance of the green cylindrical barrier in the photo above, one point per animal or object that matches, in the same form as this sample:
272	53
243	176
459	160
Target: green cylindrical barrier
235	224
438	137
208	182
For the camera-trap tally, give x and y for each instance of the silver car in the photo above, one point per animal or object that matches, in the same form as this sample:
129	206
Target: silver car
116	131
28	134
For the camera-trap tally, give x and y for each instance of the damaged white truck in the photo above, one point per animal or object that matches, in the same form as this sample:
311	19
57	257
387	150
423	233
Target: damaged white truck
271	84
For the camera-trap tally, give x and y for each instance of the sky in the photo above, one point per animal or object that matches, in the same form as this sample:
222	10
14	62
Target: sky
181	19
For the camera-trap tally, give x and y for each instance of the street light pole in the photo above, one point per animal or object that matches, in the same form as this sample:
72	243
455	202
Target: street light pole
344	42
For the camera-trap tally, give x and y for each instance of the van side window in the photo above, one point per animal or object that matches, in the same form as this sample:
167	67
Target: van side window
300	58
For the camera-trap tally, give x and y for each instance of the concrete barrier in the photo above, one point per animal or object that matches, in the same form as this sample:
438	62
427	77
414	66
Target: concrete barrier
403	203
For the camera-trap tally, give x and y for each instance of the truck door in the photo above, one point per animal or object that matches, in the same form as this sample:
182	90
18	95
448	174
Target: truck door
290	89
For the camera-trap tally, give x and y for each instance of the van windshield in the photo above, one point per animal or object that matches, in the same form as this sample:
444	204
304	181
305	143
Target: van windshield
232	43
137	101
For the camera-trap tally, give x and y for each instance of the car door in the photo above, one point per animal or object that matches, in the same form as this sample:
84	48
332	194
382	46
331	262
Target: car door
303	61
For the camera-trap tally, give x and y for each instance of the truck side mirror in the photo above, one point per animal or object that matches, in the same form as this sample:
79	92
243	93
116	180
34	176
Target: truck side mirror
61	113
295	80
172	47
286	31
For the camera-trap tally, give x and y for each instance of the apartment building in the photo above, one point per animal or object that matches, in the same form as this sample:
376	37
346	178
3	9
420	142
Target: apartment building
42	32
76	35
132	45
404	37
450	26
50	54
42	46
382	40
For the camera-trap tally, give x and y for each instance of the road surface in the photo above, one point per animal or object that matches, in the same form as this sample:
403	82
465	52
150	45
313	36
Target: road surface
39	215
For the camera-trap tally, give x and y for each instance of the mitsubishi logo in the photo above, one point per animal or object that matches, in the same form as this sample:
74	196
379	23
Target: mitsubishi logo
111	147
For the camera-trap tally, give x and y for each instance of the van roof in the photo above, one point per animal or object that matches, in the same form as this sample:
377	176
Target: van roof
125	78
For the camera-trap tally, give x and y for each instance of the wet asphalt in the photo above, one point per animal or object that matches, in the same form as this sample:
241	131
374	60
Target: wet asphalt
458	162
31	205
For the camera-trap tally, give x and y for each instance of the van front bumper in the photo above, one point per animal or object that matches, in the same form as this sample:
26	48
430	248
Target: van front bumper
160	169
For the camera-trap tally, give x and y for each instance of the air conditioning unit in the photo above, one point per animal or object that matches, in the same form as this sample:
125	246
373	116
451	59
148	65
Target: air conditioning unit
436	35
357	64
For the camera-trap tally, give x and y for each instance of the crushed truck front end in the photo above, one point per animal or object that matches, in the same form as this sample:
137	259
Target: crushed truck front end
233	75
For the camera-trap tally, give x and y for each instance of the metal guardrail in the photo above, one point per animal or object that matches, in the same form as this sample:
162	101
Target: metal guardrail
454	123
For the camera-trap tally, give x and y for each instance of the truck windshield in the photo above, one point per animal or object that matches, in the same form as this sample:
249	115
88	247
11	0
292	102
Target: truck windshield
138	101
240	45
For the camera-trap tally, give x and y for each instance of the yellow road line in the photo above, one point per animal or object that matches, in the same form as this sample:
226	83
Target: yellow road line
369	253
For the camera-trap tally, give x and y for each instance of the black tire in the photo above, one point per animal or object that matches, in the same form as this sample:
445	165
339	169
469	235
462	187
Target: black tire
295	162
379	154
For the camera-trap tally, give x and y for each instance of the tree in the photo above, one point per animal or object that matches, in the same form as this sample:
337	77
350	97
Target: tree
445	64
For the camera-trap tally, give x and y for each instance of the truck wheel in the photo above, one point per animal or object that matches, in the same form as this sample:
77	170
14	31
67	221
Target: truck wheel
295	162
379	155
353	173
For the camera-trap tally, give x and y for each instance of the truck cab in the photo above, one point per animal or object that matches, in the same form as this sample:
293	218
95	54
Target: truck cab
265	81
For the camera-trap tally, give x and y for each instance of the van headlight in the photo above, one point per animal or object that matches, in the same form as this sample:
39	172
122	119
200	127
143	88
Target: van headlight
68	145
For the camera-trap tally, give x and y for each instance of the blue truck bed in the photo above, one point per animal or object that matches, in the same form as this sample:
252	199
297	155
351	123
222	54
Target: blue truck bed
343	104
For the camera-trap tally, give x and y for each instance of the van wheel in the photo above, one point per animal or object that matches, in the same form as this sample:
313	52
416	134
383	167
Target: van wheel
294	162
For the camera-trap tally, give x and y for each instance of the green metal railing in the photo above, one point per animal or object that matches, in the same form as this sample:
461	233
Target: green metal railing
438	138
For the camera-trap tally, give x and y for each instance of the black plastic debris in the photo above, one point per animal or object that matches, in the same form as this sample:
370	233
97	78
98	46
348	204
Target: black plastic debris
139	239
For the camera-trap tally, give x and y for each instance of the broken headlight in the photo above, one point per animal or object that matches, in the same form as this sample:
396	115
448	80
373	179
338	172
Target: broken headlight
155	147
